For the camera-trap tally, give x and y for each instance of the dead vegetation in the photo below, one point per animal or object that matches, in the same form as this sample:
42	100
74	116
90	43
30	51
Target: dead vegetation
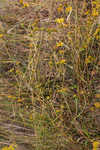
50	69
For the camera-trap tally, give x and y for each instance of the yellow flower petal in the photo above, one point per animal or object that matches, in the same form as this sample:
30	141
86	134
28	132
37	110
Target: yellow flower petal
60	8
1	35
97	104
60	20
63	61
68	9
5	148
92	108
89	59
21	1
96	145
97	95
26	5
59	44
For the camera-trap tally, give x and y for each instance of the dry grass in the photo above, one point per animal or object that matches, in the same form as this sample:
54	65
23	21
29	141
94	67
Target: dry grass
50	69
